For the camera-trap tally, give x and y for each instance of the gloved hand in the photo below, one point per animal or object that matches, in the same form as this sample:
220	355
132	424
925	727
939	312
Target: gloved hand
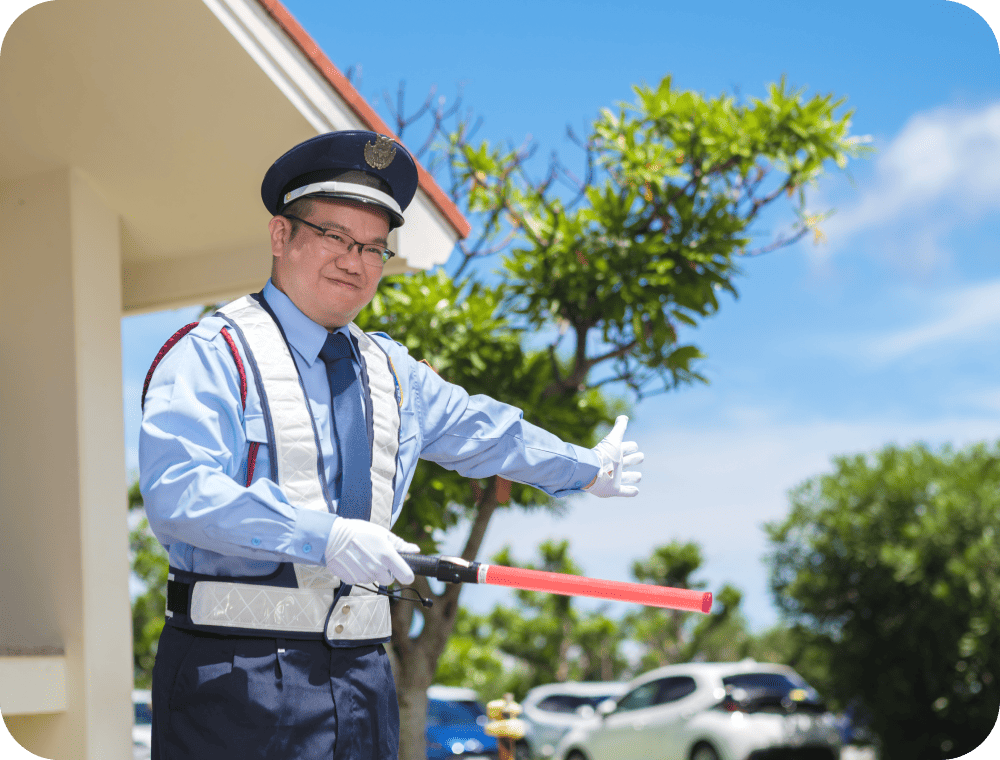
614	479
358	551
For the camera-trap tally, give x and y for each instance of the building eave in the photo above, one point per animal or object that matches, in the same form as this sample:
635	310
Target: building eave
309	48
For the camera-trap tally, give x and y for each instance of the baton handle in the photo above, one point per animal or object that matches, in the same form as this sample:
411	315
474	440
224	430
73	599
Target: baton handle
449	569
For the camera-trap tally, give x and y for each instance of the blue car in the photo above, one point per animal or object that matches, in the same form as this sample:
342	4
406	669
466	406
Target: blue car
455	723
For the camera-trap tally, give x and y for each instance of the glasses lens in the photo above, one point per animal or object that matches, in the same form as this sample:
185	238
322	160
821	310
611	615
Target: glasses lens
375	254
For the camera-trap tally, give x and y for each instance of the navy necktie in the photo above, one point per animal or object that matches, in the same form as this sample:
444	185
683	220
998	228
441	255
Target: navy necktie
354	479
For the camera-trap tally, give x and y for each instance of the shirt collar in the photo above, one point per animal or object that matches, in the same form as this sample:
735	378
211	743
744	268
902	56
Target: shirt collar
304	335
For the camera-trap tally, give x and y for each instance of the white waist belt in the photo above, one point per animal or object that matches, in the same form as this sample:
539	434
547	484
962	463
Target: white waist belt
363	615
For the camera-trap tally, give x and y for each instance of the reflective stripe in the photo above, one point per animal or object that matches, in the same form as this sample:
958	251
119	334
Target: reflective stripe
295	440
269	608
246	605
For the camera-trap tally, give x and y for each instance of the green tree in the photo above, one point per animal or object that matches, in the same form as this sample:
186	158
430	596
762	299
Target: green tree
149	566
891	566
472	658
644	243
549	634
671	636
541	638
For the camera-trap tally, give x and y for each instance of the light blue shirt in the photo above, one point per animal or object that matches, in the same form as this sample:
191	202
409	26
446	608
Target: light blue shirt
195	436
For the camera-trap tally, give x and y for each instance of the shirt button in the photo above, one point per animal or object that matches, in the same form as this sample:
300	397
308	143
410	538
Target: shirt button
339	629
577	484
307	548
347	609
255	541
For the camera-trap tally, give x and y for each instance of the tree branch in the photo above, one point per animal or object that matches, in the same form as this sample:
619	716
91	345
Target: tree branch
759	203
449	598
779	243
618	353
556	372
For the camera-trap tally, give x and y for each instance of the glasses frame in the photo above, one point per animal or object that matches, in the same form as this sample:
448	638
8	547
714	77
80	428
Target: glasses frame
326	232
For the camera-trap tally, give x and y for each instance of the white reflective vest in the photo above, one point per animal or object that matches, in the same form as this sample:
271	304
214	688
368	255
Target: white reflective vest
315	606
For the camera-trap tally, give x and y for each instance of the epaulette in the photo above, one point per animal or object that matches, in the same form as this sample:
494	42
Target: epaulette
171	342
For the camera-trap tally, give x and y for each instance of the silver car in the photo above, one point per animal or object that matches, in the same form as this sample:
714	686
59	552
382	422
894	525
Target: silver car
709	711
552	710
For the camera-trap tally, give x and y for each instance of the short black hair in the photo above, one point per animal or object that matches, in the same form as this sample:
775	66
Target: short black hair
300	207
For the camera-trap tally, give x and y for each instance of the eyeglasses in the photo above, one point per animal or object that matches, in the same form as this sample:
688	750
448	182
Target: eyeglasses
337	242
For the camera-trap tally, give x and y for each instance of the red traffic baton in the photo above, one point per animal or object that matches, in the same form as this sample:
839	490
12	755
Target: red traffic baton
458	570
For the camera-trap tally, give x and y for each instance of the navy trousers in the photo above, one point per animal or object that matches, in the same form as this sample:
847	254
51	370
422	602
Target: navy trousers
241	698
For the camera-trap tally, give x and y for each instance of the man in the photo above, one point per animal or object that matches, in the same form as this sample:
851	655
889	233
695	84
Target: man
277	444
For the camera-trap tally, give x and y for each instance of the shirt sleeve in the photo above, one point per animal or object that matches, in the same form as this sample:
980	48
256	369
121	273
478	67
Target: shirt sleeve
193	446
478	437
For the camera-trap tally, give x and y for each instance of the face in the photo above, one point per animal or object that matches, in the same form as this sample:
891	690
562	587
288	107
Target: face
328	288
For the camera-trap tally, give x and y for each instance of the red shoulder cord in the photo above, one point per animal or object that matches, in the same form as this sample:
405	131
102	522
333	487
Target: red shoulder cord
171	342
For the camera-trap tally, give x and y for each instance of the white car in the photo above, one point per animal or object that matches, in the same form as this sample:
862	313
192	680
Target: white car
552	710
709	711
142	725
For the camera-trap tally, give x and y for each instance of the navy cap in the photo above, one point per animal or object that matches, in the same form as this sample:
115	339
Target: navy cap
356	165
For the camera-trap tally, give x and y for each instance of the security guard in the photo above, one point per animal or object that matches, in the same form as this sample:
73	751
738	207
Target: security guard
277	444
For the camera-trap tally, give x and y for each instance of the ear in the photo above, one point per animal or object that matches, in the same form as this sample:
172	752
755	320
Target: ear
280	229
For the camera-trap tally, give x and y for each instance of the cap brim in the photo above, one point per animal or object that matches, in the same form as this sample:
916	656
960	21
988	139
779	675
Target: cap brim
349	191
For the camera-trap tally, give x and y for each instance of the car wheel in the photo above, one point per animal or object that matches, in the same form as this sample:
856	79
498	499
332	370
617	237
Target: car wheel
575	755
704	752
522	751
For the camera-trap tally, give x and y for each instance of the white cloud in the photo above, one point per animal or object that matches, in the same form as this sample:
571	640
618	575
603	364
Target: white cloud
939	175
943	158
966	314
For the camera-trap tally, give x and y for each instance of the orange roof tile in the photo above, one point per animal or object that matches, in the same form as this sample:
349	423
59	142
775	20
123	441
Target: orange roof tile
365	112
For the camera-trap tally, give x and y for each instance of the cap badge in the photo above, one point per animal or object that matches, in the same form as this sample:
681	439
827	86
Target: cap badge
380	155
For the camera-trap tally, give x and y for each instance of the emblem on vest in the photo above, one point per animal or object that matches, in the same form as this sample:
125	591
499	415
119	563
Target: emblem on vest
380	155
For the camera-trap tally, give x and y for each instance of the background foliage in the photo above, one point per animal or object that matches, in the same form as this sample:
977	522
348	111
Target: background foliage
891	567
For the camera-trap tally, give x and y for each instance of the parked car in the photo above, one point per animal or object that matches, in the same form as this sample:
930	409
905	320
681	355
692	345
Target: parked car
550	711
142	724
455	723
709	711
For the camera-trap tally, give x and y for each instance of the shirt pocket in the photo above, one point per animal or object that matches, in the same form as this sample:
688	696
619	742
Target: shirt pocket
409	439
409	425
256	460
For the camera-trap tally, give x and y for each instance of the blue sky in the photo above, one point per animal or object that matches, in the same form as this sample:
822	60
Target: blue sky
889	332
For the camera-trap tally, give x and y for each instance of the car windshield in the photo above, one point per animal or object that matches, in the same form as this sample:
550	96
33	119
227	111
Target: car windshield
441	713
773	682
570	703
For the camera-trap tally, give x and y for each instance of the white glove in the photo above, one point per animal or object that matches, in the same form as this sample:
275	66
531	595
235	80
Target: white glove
613	478
358	551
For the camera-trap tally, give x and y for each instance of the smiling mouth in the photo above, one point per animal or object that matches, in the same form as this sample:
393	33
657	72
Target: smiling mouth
345	283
